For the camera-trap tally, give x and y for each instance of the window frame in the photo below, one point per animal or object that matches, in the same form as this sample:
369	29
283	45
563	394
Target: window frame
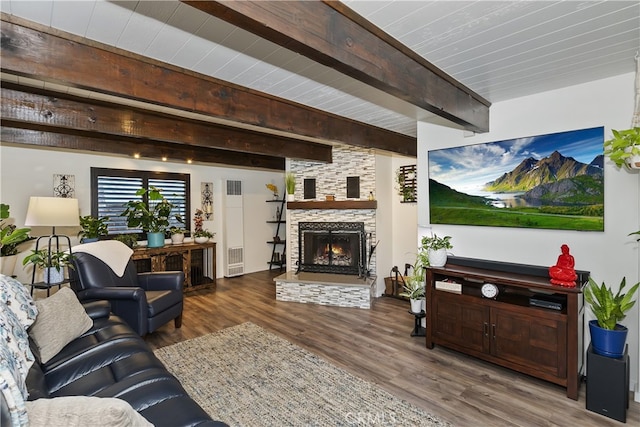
145	176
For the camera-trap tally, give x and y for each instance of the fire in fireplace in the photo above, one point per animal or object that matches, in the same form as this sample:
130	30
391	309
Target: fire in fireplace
332	247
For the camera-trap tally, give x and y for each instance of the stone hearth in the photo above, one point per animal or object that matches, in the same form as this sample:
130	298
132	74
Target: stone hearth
338	290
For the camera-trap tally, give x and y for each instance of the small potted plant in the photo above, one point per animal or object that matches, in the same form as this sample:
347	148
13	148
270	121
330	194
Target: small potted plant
52	263
414	290
128	239
177	233
436	248
200	235
608	337
153	219
290	184
93	228
624	148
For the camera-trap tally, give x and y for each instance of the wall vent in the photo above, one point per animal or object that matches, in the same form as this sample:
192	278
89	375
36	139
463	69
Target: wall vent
233	230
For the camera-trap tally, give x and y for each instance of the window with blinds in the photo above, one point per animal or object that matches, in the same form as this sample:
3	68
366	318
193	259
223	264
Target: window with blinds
112	188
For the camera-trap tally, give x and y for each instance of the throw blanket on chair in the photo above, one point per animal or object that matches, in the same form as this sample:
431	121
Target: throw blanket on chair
112	252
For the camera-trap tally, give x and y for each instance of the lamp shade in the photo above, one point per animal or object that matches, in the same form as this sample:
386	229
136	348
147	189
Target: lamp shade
52	212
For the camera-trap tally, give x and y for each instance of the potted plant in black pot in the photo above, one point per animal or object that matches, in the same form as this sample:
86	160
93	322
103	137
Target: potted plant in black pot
93	228
152	218
608	337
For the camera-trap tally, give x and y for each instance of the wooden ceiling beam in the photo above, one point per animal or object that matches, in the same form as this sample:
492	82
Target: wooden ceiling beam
332	34
45	137
33	50
36	106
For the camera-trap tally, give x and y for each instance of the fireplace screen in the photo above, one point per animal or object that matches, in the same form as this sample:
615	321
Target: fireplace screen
332	247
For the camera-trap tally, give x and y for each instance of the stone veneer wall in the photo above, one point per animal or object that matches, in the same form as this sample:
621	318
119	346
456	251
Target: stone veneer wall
331	178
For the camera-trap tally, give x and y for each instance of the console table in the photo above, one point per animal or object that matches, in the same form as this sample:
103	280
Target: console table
196	260
546	343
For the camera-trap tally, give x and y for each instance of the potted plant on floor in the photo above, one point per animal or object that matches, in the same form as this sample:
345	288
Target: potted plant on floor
624	148
608	337
93	228
10	238
52	263
290	185
152	218
436	248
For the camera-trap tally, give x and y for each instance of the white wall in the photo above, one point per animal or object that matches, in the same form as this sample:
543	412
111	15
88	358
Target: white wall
608	255
29	172
396	226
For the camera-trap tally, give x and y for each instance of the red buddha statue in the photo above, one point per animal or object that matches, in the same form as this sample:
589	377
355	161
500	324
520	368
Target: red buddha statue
563	273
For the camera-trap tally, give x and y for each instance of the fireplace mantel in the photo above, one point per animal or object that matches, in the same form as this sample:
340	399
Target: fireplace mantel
341	204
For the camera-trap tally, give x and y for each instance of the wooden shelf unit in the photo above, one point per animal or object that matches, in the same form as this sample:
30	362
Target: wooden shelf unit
192	258
541	342
282	243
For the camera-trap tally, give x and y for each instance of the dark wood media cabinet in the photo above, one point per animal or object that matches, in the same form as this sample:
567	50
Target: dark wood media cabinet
542	342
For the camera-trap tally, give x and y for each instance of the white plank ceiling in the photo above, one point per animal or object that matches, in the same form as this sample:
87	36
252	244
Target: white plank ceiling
499	49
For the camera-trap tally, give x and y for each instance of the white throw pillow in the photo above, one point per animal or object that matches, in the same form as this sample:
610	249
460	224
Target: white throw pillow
82	411
61	319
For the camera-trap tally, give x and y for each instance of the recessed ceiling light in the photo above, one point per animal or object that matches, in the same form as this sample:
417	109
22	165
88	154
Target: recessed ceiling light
136	155
164	158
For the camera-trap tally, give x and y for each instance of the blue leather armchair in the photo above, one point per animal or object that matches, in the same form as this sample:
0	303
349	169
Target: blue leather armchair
145	301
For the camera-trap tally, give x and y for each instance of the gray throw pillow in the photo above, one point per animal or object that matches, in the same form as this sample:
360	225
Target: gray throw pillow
61	319
82	411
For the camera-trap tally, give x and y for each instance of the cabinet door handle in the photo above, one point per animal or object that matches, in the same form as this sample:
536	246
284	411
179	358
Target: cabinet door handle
485	329
493	330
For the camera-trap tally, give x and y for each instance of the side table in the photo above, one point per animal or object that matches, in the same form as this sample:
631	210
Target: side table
47	286
418	329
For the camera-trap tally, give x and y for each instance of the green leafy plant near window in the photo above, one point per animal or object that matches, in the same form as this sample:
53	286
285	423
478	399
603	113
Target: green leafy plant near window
92	227
128	239
10	235
153	218
608	308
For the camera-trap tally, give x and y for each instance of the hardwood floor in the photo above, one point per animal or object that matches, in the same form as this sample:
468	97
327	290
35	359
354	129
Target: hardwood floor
376	345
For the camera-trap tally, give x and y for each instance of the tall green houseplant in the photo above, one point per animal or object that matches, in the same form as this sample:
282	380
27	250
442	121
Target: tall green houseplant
152	217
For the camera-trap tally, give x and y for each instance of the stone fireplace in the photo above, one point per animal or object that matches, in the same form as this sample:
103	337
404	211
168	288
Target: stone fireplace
332	247
329	239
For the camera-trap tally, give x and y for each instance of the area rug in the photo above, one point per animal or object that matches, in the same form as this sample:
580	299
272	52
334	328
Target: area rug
247	376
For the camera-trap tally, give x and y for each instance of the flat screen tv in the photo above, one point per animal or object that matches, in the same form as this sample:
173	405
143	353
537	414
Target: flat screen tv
553	181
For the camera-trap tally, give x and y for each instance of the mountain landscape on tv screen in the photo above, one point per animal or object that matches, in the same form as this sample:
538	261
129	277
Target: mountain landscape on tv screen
555	191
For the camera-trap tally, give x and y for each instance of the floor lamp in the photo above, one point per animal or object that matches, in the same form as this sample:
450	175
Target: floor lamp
51	212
